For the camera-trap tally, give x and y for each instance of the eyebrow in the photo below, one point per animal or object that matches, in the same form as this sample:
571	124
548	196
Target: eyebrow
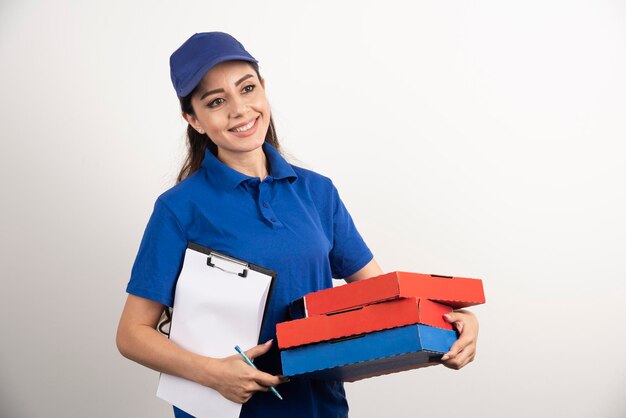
238	82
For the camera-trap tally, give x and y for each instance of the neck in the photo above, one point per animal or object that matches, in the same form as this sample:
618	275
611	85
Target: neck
252	163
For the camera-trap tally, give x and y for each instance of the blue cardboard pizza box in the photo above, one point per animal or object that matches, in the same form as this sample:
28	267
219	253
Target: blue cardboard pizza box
368	355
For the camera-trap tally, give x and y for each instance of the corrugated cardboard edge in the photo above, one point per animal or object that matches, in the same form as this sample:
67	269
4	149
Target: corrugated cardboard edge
418	303
355	287
372	359
400	369
397	277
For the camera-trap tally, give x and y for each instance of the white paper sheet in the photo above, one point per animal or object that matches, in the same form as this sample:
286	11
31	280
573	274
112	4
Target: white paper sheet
213	311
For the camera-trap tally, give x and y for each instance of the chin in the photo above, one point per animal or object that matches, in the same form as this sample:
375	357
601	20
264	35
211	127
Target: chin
247	145
255	142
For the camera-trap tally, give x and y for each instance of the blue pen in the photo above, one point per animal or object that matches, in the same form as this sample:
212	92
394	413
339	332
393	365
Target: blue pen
247	360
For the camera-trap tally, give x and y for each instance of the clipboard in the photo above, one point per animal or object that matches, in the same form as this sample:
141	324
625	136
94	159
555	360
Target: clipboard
220	301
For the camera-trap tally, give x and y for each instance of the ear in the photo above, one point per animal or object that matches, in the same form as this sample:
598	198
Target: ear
262	82
193	121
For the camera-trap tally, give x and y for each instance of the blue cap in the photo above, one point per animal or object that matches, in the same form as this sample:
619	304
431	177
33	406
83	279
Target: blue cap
203	51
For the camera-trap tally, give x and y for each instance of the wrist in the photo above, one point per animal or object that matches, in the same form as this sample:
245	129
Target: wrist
205	371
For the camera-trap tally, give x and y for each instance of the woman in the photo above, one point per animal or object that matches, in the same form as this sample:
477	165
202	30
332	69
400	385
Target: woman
238	195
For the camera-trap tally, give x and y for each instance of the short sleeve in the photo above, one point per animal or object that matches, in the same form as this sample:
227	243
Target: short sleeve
349	253
160	257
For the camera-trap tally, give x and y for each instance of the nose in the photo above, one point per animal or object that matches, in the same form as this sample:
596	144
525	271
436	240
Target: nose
238	107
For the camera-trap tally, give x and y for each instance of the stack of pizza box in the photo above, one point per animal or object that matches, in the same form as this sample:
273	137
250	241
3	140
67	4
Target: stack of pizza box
385	324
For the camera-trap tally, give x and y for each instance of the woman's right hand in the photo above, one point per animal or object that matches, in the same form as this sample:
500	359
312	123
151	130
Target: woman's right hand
236	380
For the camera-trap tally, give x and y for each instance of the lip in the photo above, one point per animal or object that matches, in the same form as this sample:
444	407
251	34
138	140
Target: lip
249	132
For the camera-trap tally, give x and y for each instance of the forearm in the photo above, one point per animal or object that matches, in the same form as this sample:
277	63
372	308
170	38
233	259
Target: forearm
371	269
145	345
138	340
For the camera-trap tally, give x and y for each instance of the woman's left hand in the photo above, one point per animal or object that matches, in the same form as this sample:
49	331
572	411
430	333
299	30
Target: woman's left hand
463	350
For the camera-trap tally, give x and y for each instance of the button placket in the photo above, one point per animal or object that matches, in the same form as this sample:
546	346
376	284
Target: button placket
264	203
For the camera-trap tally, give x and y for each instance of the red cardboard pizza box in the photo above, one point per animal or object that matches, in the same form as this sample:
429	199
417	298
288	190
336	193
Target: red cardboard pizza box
457	292
361	320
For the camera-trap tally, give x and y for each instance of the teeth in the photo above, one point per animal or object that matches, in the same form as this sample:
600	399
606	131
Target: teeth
244	127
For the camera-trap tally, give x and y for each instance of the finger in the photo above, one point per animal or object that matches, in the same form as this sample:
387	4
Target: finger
256	387
249	389
450	359
460	360
464	340
259	350
267	379
456	319
452	317
241	396
245	398
456	348
459	325
464	357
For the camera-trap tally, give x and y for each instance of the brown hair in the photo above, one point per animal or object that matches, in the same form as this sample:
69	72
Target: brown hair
198	143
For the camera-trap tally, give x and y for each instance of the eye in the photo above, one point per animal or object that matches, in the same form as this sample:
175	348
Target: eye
248	88
216	102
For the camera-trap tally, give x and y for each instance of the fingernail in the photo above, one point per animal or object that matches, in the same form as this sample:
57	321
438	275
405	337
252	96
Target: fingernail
269	341
445	357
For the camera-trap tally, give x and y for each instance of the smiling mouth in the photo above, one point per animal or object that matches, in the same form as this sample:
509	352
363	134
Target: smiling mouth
245	127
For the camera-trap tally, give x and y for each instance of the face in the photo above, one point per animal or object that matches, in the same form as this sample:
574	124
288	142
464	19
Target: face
231	108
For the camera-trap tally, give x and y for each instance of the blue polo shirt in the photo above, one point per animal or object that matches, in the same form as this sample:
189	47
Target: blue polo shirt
293	222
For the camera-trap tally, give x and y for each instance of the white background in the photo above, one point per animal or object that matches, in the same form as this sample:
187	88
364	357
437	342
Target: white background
480	139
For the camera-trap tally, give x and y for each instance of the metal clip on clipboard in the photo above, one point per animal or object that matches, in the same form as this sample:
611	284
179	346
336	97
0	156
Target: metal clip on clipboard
245	265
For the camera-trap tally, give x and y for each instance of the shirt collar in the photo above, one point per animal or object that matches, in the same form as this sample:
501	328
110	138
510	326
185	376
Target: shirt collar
231	178
279	167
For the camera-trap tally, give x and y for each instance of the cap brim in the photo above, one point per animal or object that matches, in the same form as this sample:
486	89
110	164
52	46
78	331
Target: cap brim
199	75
